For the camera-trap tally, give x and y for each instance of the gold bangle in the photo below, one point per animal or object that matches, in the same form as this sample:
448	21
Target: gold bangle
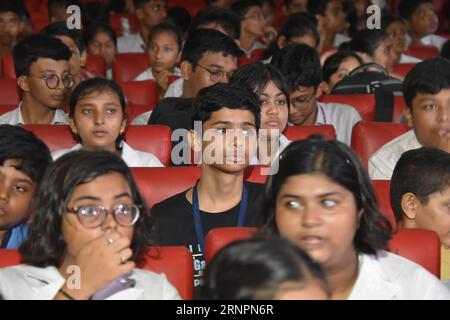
66	295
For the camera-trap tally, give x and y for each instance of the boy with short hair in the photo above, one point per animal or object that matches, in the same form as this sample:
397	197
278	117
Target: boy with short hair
218	18
294	6
422	23
420	196
300	64
221	198
149	13
23	161
426	90
11	25
43	76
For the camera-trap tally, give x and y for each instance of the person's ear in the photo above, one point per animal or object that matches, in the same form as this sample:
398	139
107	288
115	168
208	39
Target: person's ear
325	87
83	58
281	42
195	143
23	84
73	126
123	125
238	42
407	113
319	91
410	205
186	69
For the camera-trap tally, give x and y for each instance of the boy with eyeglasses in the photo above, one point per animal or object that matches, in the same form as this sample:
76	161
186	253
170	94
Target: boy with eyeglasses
43	76
149	13
300	64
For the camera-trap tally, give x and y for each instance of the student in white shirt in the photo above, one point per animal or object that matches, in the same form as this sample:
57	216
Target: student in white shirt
269	85
149	13
426	90
301	67
43	76
422	23
322	200
97	117
90	228
164	52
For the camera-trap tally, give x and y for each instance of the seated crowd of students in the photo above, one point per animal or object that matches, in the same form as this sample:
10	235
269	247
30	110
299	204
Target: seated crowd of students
233	80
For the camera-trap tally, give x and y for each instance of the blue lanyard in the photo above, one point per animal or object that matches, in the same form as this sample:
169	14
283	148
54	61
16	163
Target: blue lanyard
198	220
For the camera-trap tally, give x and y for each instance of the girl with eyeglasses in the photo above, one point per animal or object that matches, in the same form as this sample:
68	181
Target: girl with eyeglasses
90	229
97	118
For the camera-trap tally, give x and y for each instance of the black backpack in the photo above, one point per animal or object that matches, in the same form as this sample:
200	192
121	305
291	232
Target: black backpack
379	82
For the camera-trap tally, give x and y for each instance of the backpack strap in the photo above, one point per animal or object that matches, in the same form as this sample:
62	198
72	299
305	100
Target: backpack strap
384	105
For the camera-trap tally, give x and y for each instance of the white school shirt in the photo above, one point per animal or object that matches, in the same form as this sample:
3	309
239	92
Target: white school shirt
175	89
14	117
148	74
130	43
429	40
132	157
339	39
404	58
383	161
256	45
391	277
142	119
25	282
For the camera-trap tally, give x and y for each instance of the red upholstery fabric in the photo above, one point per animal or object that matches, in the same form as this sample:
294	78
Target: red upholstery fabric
127	66
176	263
96	64
368	137
55	136
418	245
8	70
114	22
9	92
134	110
257	174
363	103
140	92
402	69
302	132
218	238
423	52
6	108
382	191
9	258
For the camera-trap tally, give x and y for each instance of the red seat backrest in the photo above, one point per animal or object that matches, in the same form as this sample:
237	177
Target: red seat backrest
218	238
363	103
418	245
134	110
140	92
127	66
402	69
8	70
6	108
301	132
257	173
96	64
176	263
9	257
155	139
116	25
423	52
368	137
9	92
158	184
383	193
55	136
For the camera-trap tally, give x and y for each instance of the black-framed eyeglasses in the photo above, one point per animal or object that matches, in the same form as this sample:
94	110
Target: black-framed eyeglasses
301	102
93	216
216	75
52	80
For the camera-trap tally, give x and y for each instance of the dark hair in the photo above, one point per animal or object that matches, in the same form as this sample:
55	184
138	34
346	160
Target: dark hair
256	76
318	6
339	163
138	4
297	24
333	62
223	17
61	4
60	29
170	28
367	40
97	84
13	6
430	76
20	144
300	64
91	30
406	8
445	51
241	7
255	268
45	245
95	12
224	95
36	46
386	21
179	16
422	171
208	41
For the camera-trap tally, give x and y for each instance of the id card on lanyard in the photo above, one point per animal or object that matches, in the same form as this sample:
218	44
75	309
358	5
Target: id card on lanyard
198	220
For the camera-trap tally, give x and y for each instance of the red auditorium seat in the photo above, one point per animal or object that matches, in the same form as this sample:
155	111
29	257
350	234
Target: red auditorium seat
114	22
134	110
8	71
9	92
174	262
368	137
96	64
363	103
257	173
6	108
155	139
382	191
127	66
140	92
55	136
423	52
302	132
402	69
218	238
418	245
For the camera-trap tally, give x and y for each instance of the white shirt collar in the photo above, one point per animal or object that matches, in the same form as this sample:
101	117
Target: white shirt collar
16	116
